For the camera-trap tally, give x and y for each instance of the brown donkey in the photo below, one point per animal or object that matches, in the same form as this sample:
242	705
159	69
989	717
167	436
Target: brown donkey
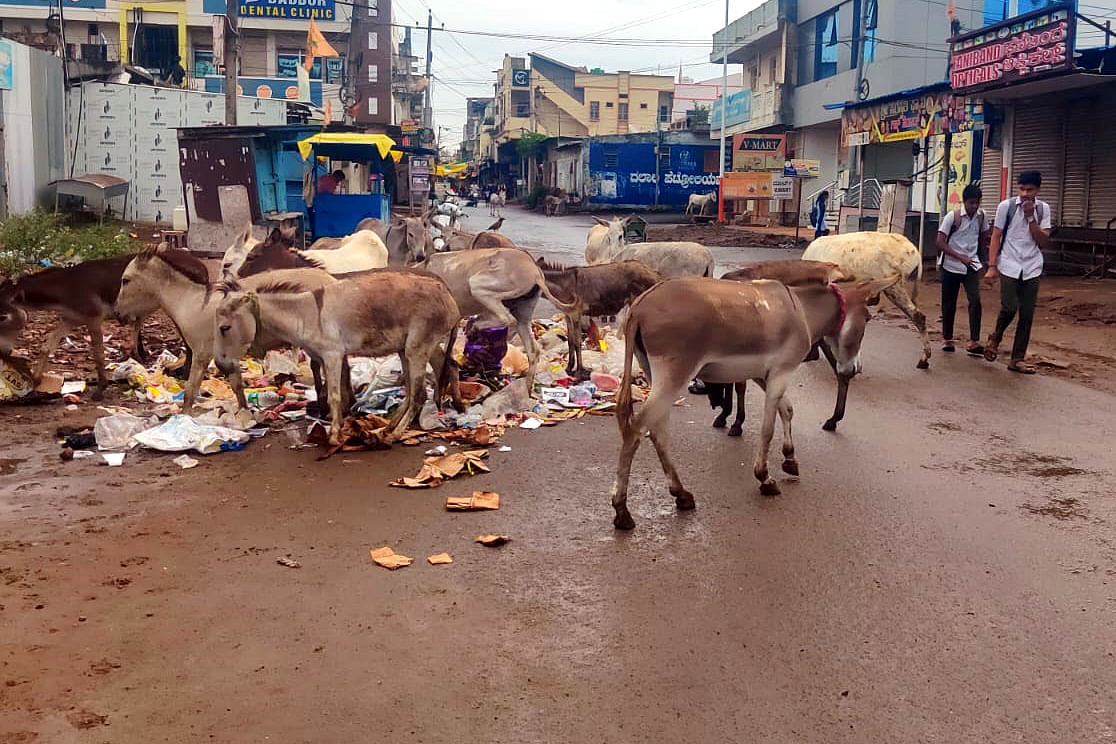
729	331
83	295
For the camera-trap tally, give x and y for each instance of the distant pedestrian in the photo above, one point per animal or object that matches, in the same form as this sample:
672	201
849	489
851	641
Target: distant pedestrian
1020	233
961	239
817	214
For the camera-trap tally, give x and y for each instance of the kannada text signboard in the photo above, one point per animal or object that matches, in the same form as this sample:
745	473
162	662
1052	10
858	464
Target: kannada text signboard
914	117
318	10
758	152
1024	48
782	187
746	185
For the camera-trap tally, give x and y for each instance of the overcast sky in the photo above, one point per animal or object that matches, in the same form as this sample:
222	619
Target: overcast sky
463	64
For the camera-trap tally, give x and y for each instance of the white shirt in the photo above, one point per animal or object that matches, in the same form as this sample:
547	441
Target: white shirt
965	239
1020	256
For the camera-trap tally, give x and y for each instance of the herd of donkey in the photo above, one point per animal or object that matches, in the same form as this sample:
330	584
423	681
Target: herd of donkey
384	290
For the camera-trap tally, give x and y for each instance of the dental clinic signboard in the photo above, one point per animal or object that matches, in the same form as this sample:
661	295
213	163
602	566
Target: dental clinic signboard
307	10
1030	47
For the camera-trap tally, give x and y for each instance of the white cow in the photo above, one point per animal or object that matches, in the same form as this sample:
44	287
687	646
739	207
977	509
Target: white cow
877	255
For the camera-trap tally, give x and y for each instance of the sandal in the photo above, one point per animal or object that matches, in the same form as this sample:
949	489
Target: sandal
948	346
1023	368
991	350
974	348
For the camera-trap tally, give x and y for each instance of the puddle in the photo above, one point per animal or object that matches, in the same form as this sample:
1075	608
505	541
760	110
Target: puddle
10	464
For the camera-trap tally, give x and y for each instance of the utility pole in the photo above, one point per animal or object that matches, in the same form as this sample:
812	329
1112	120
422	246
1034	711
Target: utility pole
427	112
232	44
724	115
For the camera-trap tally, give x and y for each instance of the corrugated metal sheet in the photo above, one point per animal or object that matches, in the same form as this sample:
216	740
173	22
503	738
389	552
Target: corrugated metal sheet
1076	173
1102	173
1037	145
625	174
991	174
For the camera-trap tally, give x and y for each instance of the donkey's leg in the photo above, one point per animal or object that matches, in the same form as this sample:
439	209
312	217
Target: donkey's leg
897	293
776	386
198	369
786	413
66	325
842	389
573	343
738	425
138	349
683	499
97	342
630	441
332	364
236	382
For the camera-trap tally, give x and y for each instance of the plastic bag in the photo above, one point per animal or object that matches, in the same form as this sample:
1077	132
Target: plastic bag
13	385
381	402
485	348
512	399
281	363
515	362
376	374
181	433
429	420
116	431
129	370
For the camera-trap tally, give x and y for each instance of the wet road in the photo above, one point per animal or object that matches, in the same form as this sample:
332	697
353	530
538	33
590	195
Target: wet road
942	572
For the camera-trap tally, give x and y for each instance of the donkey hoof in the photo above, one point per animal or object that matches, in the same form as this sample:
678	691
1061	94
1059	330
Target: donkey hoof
770	488
623	520
684	500
923	364
830	425
736	431
99	394
719	423
790	466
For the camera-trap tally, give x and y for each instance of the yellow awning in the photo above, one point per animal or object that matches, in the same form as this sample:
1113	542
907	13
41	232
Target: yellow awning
340	145
453	169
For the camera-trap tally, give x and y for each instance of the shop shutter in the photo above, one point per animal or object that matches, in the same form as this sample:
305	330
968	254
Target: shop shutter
1037	145
991	171
253	55
1102	173
1078	155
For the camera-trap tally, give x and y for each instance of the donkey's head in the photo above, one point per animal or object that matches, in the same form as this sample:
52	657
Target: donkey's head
235	254
615	237
276	251
848	334
235	325
12	316
415	238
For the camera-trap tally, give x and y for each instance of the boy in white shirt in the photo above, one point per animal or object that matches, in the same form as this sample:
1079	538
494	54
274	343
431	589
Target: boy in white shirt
1020	233
961	236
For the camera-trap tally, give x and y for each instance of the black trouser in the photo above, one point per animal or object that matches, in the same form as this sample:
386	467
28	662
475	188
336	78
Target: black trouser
951	287
1017	295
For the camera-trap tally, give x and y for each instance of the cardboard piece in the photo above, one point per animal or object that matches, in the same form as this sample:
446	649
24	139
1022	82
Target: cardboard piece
389	559
480	500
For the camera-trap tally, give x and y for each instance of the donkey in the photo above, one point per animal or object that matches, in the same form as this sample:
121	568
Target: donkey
491	239
729	331
496	202
178	282
670	259
405	237
501	284
594	291
374	314
605	239
83	295
793	273
360	251
236	253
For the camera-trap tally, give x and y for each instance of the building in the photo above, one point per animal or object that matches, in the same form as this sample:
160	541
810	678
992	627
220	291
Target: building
805	61
643	171
555	100
692	96
408	85
1043	114
477	112
370	63
154	34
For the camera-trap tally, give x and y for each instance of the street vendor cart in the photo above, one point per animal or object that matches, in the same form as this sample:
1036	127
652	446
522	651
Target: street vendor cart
337	215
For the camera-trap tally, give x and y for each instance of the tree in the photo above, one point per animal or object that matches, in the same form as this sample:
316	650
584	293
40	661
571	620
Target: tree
700	115
530	145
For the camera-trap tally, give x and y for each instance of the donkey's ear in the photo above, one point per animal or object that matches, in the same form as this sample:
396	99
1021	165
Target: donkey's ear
246	233
288	233
275	235
599	221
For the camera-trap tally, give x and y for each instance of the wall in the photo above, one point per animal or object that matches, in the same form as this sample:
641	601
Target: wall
129	131
33	125
819	143
629	181
642	90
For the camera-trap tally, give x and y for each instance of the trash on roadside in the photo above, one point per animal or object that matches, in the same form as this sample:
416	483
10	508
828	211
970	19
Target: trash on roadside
185	462
439	559
375	374
1043	361
218	389
531	423
357	434
485	348
116	431
505	448
510	400
514	361
492	541
129	370
73	387
113	459
478	501
289	562
80	440
82	454
436	469
389	559
13	383
439	450
180	433
379	402
51	383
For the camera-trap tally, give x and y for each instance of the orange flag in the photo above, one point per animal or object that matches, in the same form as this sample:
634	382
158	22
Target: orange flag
317	46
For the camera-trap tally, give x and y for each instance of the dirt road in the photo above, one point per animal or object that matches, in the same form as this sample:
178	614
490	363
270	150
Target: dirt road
942	572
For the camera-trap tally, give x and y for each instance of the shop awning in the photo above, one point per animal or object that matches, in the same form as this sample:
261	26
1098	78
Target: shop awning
349	146
454	169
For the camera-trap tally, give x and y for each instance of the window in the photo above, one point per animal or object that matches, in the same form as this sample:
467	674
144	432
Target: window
623	95
372	40
373	106
287	65
373	8
664	158
753	76
622	112
373	73
335	69
643	105
608	104
594	111
203	63
825	45
871	23
664	114
774	69
611	158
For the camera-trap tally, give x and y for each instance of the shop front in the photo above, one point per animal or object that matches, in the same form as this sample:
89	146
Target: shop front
1047	109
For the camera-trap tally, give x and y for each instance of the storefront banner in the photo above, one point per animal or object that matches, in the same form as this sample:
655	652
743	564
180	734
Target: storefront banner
745	185
910	118
739	112
318	10
5	64
782	187
802	168
961	170
1024	48
758	152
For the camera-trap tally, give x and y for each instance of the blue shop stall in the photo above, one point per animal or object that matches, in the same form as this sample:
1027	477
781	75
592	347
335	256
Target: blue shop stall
337	214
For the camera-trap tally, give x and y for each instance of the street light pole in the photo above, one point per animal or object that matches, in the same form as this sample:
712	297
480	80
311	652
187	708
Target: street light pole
724	113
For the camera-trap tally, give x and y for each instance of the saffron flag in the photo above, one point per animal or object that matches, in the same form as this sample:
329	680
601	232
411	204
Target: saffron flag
317	46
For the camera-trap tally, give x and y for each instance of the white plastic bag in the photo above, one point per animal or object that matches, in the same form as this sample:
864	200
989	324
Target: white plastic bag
116	431
181	433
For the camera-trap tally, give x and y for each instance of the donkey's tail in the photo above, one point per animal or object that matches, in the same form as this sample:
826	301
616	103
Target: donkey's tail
624	396
541	284
447	376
